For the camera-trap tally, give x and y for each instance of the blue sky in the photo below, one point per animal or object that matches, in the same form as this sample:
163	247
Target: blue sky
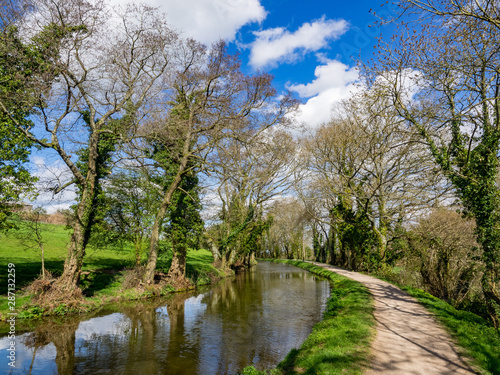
307	45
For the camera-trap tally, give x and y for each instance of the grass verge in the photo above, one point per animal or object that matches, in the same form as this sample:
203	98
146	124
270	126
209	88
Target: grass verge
339	344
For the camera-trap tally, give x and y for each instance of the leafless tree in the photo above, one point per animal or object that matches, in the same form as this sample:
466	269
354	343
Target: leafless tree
367	160
252	171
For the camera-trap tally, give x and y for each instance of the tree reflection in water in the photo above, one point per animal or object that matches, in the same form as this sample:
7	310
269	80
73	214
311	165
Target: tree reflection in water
255	318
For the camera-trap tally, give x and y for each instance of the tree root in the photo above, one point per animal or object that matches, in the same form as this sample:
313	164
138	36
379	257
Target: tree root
48	295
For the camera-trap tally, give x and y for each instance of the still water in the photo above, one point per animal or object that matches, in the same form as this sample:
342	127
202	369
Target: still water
254	319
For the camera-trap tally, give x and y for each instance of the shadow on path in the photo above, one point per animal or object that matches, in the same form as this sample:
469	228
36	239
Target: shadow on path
409	340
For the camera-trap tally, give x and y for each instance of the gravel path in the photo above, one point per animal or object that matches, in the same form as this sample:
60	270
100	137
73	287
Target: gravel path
409	340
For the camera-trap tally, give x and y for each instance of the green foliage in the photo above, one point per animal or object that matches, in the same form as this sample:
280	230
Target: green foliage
233	225
250	370
14	146
356	237
132	202
26	68
98	233
184	225
254	235
15	179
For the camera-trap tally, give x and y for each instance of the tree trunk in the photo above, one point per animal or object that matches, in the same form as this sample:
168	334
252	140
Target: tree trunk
214	249
252	259
177	270
83	223
381	232
231	258
331	246
74	261
491	276
155	233
76	251
492	295
43	263
149	273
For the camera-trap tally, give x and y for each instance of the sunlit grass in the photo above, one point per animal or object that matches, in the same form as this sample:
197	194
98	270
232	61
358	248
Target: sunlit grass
339	344
27	262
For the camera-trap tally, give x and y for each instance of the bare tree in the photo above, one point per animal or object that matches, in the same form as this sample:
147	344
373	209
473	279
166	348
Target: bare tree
367	164
444	246
288	235
211	100
32	233
252	171
485	10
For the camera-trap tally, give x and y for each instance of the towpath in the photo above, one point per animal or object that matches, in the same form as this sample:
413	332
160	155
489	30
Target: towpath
409	340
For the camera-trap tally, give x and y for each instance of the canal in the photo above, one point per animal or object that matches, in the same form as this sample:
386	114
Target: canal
254	319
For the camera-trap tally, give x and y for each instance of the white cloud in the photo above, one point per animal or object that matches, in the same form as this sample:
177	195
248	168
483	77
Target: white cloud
334	81
209	20
278	44
51	174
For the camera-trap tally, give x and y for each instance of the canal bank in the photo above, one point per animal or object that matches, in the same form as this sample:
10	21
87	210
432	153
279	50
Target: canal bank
340	342
254	319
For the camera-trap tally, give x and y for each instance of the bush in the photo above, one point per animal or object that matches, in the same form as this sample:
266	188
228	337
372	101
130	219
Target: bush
443	249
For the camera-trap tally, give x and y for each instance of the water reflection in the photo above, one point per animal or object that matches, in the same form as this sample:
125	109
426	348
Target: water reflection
257	318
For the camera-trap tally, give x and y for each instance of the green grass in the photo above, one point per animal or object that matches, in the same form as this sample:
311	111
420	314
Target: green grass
102	272
28	262
478	337
339	344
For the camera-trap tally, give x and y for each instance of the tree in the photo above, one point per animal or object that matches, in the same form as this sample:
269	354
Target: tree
372	173
444	245
287	235
251	170
32	234
185	225
95	66
443	79
486	10
131	197
211	100
15	68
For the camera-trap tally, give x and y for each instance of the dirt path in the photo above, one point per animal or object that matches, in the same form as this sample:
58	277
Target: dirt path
409	341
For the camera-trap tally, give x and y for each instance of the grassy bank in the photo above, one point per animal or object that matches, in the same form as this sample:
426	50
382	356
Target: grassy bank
103	274
339	344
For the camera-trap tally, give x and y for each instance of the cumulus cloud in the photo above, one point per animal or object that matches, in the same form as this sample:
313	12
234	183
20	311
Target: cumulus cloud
334	81
278	44
209	21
